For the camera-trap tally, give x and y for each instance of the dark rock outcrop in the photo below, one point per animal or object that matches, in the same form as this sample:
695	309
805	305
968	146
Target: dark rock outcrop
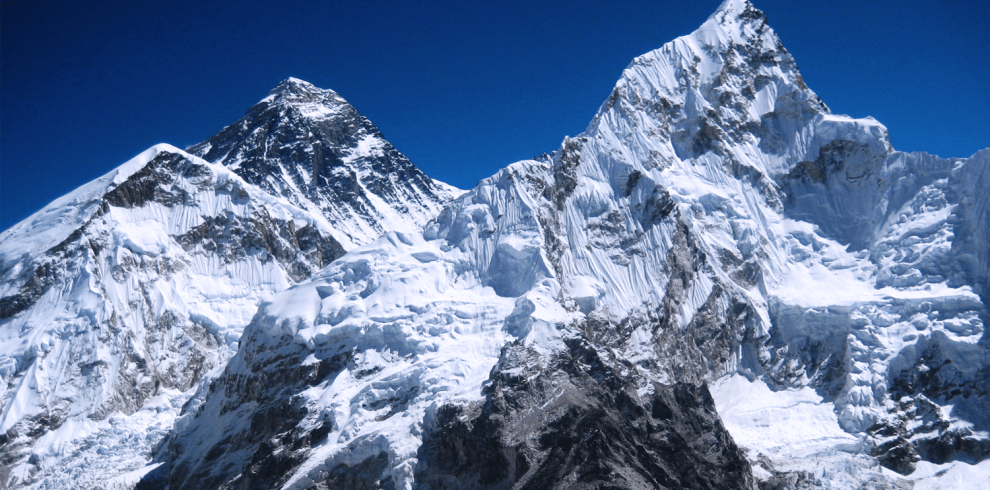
579	423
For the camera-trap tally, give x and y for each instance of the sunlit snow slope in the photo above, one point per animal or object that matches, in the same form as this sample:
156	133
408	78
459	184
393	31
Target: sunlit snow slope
136	284
557	326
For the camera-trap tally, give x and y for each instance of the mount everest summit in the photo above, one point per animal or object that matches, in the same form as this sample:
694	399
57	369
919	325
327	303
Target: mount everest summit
719	284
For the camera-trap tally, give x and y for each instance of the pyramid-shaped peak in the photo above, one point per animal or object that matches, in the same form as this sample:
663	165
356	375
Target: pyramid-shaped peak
294	91
734	6
294	86
738	18
736	22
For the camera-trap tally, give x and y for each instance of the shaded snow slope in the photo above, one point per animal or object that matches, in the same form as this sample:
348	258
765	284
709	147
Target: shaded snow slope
313	148
714	224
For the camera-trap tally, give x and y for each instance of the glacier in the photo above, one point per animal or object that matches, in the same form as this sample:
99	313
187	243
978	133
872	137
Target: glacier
718	284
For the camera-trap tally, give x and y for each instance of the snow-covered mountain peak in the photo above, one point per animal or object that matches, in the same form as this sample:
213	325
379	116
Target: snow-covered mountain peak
296	85
307	99
733	9
312	147
126	292
728	89
118	298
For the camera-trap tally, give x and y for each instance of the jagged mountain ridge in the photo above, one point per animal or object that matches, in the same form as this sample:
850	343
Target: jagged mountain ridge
715	224
146	295
119	298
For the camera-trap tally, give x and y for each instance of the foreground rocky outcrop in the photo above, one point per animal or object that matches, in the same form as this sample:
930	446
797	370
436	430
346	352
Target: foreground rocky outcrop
577	422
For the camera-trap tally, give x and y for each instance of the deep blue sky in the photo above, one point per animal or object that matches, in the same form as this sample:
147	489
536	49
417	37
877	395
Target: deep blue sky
462	88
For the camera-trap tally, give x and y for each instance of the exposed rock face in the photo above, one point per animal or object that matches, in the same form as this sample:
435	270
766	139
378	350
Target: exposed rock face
310	146
273	437
578	423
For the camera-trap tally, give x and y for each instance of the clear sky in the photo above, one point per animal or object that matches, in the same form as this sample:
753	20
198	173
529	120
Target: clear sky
463	88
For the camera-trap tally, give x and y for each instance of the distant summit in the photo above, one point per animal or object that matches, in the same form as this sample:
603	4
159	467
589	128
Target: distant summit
293	84
312	147
296	91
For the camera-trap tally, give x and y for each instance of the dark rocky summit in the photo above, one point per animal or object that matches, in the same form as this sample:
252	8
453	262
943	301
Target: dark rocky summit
312	147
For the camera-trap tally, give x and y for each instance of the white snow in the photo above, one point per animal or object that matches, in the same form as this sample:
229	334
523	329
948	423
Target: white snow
55	222
956	474
793	427
419	325
126	270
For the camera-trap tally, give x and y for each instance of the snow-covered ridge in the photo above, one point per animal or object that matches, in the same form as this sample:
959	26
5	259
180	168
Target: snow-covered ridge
53	223
144	286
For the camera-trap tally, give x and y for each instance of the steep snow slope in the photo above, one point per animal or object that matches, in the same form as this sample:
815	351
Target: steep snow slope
714	224
120	297
313	148
137	288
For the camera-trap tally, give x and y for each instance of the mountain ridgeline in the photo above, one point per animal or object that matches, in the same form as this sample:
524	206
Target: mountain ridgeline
718	284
